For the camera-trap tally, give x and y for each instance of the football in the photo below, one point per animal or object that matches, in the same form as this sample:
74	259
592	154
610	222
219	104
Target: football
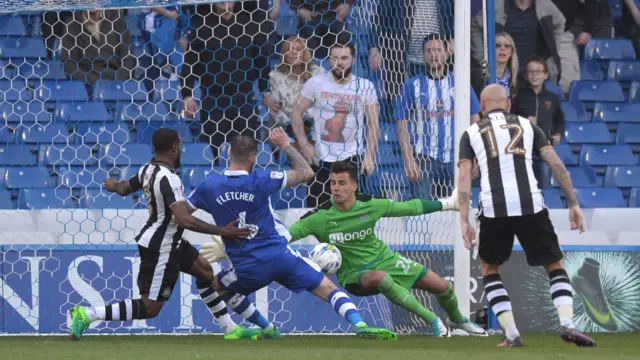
327	256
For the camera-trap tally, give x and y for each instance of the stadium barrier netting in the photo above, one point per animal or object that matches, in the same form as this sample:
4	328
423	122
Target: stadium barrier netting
81	93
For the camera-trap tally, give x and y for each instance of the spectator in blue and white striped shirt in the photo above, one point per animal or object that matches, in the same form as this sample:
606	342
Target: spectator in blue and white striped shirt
427	104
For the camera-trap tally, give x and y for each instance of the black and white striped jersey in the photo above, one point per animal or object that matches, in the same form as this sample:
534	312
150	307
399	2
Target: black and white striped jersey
503	144
162	187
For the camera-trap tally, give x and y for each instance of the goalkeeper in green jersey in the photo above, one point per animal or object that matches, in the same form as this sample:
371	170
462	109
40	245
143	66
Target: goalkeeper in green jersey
369	266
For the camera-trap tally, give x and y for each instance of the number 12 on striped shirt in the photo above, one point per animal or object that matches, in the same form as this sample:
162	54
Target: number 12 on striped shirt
512	147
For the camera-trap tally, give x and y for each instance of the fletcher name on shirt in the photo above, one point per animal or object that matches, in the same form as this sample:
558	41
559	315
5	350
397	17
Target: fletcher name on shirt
228	196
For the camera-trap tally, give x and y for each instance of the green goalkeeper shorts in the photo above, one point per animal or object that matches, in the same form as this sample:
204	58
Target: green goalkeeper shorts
404	272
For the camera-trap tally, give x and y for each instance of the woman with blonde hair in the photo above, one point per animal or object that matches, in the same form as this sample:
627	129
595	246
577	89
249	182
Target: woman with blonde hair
287	80
507	67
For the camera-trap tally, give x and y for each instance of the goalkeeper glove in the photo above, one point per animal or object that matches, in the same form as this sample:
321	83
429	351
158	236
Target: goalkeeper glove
213	251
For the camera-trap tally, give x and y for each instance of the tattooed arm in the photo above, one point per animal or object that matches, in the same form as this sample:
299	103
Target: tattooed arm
302	171
562	174
464	189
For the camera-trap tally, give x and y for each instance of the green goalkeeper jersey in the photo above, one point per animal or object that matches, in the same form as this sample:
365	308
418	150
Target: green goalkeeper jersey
352	231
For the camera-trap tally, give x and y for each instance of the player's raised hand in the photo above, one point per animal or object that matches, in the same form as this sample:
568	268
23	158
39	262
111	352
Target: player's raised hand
279	137
468	235
190	107
576	219
110	185
231	231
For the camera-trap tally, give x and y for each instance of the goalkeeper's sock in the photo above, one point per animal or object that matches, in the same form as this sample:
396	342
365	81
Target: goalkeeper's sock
403	297
216	306
500	304
562	296
130	309
449	302
343	305
241	305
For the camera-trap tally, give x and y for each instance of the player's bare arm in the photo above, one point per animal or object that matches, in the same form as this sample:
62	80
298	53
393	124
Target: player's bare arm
302	171
182	213
464	199
122	188
548	154
372	112
297	125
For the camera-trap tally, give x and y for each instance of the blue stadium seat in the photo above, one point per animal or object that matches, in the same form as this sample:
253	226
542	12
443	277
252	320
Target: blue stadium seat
624	70
23	47
120	91
5	200
628	134
7	135
616	112
634	198
590	70
605	155
574	111
145	130
82	112
198	154
25	112
191	177
388	132
566	154
290	198
609	49
88	133
166	90
47	134
596	91
12	155
12	26
94	199
15	90
59	155
134	112
36	199
591	198
580	177
125	155
29	178
41	70
265	155
622	176
552	198
81	177
549	85
7	69
62	90
592	133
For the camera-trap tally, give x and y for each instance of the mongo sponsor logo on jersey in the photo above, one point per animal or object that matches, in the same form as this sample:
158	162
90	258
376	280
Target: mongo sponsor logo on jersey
342	237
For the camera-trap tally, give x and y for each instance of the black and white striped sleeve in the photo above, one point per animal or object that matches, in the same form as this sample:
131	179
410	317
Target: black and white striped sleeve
134	182
466	150
171	189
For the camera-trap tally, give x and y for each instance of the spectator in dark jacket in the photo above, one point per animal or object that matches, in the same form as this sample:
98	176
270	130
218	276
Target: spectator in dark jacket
630	27
96	47
228	53
543	108
536	26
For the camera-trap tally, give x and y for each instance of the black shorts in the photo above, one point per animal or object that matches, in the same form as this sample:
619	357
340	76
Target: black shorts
159	270
535	233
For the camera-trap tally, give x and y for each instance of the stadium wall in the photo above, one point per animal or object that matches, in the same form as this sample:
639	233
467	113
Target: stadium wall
48	264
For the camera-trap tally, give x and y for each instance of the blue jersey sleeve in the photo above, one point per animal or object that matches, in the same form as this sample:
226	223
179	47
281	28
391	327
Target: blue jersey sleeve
270	181
475	104
197	196
406	102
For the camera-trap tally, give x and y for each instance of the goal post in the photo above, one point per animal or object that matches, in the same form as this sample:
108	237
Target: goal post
64	240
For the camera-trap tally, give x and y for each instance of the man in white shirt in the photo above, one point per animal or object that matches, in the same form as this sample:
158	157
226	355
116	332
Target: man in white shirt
340	102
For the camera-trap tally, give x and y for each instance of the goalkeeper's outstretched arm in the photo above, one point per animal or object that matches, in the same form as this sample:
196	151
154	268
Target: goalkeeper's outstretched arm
409	208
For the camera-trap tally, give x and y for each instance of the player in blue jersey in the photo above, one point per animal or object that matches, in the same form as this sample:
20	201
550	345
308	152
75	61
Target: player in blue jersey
265	256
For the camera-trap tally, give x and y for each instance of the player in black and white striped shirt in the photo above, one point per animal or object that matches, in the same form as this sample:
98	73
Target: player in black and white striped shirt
511	204
163	252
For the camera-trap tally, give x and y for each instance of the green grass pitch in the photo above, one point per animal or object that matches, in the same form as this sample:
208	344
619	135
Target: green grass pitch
538	346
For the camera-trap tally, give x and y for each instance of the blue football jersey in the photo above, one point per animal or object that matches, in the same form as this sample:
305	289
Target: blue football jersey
245	196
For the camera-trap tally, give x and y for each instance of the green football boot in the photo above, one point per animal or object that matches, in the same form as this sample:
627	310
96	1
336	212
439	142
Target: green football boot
79	322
